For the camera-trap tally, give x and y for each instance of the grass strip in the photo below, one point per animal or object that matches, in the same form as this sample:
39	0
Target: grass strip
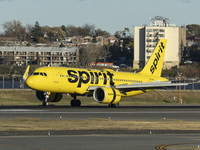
162	97
39	125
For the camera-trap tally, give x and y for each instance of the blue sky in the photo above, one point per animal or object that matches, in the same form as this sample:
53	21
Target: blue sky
109	15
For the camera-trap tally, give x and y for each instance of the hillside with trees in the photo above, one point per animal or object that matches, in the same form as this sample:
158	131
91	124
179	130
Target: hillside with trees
118	52
45	34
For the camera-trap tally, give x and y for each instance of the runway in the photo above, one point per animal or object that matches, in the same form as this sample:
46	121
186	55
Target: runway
186	113
100	139
99	142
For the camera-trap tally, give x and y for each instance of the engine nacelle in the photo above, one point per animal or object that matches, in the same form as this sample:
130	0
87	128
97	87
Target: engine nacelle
107	95
52	97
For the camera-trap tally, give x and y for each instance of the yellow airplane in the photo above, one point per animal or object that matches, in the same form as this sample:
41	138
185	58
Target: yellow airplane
106	86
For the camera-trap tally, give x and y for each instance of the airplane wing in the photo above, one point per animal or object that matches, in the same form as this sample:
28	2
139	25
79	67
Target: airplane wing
142	86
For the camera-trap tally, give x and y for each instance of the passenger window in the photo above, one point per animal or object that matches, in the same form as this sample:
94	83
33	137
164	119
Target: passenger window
45	74
41	73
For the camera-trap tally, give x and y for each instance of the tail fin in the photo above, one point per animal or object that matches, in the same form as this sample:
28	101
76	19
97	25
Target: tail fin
25	76
155	63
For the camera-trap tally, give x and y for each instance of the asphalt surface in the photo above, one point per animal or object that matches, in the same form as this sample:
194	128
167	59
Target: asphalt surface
100	139
186	113
101	142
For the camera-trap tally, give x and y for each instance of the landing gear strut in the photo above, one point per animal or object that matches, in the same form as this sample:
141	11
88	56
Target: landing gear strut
75	102
45	102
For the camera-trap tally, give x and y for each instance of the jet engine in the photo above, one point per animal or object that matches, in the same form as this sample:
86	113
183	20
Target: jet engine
52	97
107	95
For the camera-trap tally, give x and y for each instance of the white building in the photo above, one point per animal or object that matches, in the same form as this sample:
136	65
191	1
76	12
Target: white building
38	55
147	37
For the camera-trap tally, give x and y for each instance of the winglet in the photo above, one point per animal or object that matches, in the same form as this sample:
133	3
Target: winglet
25	76
155	63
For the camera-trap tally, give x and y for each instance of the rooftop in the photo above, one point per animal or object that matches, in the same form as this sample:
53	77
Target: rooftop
39	49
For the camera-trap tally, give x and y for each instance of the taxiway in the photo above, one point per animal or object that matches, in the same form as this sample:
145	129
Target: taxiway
100	139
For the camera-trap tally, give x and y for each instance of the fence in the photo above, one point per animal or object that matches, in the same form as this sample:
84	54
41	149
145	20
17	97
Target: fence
17	82
12	82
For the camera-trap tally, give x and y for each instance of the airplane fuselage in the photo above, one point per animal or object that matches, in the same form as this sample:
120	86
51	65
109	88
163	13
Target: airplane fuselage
77	81
107	86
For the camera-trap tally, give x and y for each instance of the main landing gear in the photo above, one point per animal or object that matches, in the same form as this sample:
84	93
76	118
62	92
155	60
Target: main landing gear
113	105
75	102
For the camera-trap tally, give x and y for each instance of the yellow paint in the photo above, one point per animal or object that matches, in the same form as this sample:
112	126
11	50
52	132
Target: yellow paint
26	73
170	146
77	81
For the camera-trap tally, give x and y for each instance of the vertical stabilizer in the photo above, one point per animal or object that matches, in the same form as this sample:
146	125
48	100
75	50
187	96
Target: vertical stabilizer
155	63
25	76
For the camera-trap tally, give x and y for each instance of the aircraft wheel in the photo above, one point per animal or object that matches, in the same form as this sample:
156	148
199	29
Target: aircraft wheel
78	103
45	104
73	103
113	105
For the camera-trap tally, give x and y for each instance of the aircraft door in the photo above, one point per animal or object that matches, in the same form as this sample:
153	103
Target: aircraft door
56	76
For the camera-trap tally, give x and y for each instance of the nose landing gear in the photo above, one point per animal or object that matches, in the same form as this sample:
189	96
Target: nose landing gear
45	102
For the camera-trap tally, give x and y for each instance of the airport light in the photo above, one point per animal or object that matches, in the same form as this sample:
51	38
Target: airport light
180	100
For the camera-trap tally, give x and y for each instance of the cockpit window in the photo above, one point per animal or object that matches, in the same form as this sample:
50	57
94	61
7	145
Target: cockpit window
36	73
39	73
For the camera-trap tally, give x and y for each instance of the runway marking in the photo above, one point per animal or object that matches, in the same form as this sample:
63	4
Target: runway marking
18	110
181	148
99	119
27	118
95	112
163	147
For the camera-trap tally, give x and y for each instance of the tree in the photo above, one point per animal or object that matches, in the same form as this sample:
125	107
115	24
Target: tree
63	28
28	32
193	52
71	31
127	46
61	45
89	29
84	58
14	29
193	29
105	52
100	32
36	32
85	30
56	34
89	55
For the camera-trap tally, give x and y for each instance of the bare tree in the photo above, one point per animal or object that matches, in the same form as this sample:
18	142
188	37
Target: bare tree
105	52
15	29
89	55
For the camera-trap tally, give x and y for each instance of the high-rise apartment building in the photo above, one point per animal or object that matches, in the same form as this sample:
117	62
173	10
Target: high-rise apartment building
147	37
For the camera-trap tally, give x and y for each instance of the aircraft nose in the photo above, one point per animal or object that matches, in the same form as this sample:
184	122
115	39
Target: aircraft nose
30	82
